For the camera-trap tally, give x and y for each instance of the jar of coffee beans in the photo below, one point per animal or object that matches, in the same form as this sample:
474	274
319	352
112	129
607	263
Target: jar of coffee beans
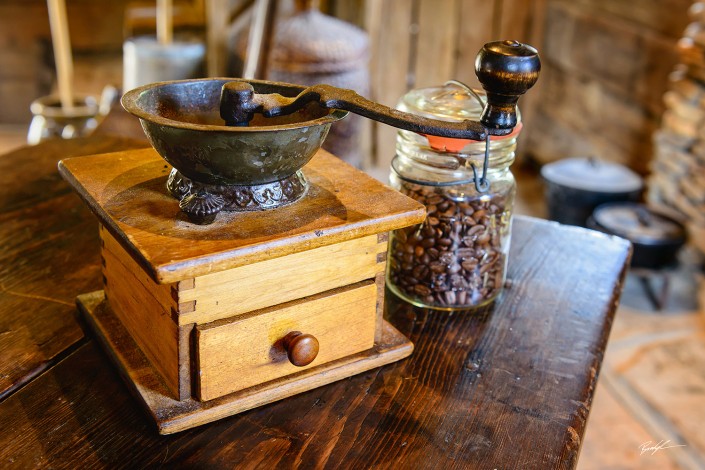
457	258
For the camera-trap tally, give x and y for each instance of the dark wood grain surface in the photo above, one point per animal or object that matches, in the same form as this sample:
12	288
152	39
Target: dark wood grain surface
507	387
48	249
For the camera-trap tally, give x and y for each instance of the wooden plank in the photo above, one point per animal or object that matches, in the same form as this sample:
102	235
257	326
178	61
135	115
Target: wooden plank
141	286
668	17
185	361
509	387
516	20
127	192
92	24
238	354
148	321
435	51
639	62
388	24
112	252
217	16
571	120
379	308
476	28
41	270
275	281
535	36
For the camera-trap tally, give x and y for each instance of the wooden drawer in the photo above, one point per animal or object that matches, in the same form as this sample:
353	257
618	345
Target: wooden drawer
222	295
236	354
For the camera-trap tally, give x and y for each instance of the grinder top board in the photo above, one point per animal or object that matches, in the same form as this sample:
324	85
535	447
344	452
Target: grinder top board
126	190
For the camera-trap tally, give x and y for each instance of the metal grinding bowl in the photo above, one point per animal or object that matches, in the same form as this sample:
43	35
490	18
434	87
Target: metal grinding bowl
239	145
243	168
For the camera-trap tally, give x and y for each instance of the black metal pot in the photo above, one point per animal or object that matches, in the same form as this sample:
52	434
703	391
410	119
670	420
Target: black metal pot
656	237
574	187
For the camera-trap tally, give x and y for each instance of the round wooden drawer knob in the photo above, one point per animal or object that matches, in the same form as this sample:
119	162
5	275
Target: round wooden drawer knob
301	348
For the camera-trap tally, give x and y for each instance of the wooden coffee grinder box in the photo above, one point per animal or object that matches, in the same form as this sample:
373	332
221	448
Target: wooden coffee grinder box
206	321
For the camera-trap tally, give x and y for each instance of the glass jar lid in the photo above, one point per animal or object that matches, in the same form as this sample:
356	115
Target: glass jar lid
453	101
450	102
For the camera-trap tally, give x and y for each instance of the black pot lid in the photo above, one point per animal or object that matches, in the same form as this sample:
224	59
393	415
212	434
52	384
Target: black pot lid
590	174
638	223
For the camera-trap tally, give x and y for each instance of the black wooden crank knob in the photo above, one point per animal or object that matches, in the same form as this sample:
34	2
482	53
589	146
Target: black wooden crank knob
237	104
506	69
301	349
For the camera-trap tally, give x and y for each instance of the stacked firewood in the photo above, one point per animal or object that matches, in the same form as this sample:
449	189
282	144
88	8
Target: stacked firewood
677	180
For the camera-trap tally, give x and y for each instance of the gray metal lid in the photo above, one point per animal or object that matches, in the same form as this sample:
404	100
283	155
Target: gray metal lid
590	174
638	223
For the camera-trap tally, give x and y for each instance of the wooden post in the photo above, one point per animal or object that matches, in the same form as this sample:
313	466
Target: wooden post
165	29
62	51
216	27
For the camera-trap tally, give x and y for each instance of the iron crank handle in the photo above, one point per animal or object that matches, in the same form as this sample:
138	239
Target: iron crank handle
506	70
239	102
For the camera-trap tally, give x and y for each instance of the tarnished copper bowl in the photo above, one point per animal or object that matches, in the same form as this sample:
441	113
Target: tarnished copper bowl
219	167
183	123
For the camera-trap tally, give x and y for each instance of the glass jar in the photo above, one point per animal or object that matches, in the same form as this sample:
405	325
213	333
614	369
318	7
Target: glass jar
50	120
457	258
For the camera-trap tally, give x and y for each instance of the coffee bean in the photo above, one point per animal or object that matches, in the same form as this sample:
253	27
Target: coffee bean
422	290
456	257
475	230
420	271
483	239
445	242
437	267
462	298
446	258
469	265
428	242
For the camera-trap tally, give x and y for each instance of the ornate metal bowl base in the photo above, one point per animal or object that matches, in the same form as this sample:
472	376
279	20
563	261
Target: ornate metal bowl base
202	202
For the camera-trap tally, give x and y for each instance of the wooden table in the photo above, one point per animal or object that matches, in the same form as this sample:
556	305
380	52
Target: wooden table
508	387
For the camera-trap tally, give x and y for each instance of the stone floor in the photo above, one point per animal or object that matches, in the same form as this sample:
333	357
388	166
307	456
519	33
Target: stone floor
651	391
